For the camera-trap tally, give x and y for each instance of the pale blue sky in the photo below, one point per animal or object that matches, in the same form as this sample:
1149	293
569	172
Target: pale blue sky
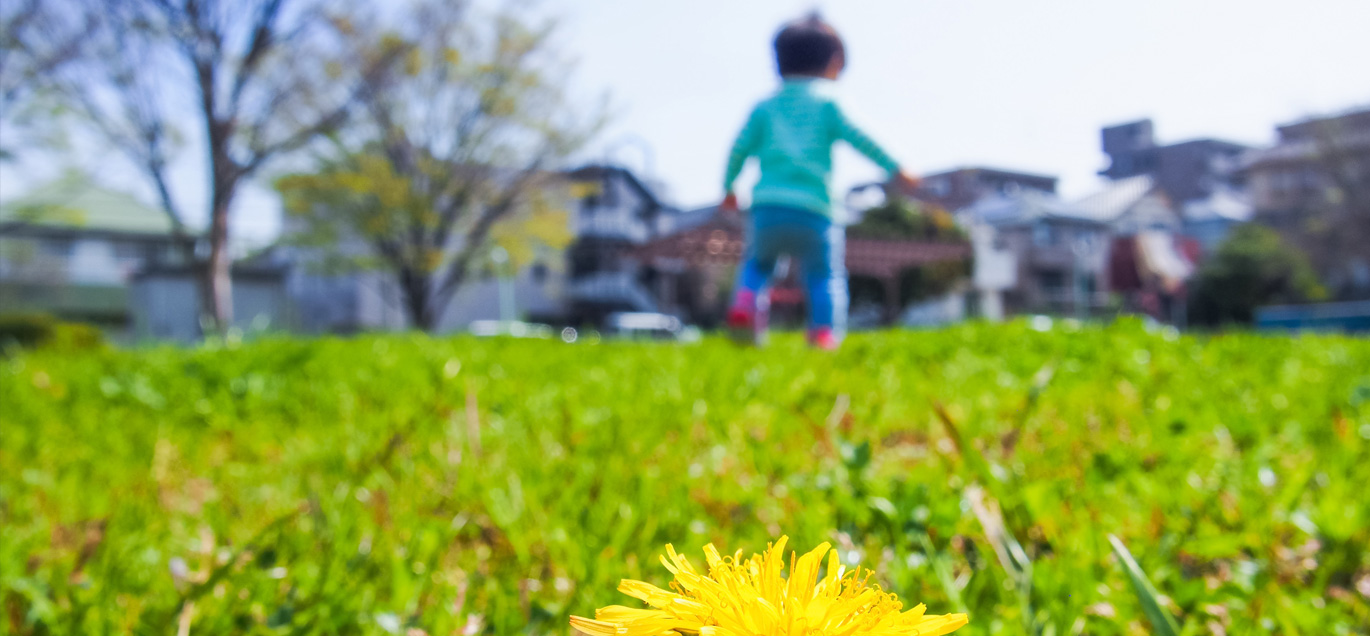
941	83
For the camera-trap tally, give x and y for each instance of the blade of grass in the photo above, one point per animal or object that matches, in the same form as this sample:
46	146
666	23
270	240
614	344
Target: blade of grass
1161	620
979	468
1015	561
942	567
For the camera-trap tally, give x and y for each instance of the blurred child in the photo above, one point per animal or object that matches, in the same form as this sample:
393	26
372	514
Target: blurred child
791	134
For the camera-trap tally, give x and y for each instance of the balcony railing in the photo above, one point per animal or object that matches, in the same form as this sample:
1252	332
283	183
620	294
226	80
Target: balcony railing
610	288
610	227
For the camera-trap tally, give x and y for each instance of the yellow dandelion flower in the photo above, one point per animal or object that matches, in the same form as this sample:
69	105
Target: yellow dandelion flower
754	598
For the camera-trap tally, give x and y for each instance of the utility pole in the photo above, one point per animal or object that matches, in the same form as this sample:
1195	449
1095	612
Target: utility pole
1082	247
506	290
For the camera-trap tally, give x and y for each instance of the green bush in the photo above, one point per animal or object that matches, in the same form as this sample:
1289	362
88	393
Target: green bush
32	331
1251	268
906	220
900	219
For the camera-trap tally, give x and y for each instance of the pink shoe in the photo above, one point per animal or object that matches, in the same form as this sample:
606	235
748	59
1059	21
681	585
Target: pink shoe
746	324
823	338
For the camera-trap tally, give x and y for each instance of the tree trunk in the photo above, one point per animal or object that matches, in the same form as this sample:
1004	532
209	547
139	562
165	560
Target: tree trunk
219	280
417	300
218	273
891	283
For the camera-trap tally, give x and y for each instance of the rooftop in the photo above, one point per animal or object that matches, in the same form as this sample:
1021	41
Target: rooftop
1224	204
74	202
1026	206
1116	197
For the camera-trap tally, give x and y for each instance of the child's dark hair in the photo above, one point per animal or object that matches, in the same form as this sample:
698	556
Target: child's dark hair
807	46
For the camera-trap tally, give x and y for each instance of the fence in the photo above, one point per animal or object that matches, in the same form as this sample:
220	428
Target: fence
1346	316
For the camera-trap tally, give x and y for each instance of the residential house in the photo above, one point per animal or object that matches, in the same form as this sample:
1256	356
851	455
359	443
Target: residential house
1314	162
1024	239
331	293
1208	220
1200	180
1037	254
325	300
610	212
616	213
996	266
1131	205
1313	186
82	252
689	270
1151	253
959	188
165	301
72	249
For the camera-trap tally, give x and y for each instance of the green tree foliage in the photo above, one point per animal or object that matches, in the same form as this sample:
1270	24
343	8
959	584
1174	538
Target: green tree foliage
1252	267
33	331
900	219
455	153
904	220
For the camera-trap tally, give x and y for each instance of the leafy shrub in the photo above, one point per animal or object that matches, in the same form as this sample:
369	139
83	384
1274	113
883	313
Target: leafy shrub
1251	268
31	331
899	219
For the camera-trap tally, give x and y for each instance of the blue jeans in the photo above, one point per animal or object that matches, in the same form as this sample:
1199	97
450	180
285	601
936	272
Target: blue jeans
815	244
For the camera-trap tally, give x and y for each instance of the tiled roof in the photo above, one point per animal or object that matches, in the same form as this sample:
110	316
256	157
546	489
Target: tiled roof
1116	198
1024	206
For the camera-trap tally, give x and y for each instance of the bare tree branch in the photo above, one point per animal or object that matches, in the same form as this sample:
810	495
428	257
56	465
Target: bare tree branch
230	58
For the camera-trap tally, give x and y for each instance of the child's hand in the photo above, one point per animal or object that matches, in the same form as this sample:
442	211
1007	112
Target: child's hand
729	203
906	183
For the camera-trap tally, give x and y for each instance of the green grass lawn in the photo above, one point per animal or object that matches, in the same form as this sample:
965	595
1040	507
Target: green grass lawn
459	486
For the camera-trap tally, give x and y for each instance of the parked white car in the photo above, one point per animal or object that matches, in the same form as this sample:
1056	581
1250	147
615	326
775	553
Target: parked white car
512	328
647	325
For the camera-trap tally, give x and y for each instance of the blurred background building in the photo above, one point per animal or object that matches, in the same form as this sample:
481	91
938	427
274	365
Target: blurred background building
88	253
73	249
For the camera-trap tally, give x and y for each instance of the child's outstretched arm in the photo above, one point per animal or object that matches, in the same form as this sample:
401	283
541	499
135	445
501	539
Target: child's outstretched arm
743	147
848	132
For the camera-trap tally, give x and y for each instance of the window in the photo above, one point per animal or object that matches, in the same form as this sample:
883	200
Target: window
131	250
588	204
1309	179
585	261
1284	180
57	247
1043	235
609	192
1089	284
1051	281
